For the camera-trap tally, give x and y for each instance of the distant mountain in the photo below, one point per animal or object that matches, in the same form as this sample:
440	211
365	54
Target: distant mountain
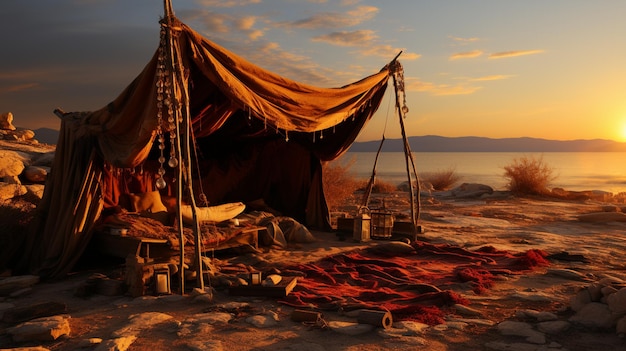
434	143
47	135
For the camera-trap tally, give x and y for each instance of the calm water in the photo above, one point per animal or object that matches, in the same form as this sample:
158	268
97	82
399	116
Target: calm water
573	170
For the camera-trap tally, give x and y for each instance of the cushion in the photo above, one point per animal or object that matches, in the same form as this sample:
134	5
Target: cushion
147	202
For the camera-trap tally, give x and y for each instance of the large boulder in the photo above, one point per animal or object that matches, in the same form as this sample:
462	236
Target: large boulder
12	163
6	121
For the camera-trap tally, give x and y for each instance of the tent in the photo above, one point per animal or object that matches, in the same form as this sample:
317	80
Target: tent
233	132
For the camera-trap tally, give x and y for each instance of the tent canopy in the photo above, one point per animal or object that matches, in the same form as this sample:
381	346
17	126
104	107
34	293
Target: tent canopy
257	136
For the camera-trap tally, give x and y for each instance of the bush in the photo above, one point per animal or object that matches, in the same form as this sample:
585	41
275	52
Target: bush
379	187
443	179
529	175
339	184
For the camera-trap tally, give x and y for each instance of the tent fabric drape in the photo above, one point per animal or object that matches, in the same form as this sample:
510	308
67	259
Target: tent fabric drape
259	136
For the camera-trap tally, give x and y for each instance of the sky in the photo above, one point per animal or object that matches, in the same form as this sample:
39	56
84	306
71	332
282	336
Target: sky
553	69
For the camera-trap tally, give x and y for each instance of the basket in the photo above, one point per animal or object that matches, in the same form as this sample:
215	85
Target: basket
382	225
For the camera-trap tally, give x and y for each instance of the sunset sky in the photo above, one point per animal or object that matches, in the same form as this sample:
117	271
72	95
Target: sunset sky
553	69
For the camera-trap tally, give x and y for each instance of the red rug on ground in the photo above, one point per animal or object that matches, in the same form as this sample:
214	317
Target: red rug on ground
412	286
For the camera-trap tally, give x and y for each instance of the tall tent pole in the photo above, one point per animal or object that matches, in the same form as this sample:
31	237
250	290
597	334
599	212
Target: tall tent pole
183	150
414	194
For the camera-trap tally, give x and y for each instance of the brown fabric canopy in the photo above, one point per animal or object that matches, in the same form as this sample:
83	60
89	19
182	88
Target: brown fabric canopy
258	136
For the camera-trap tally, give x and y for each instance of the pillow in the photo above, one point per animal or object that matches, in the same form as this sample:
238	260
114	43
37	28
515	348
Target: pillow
147	202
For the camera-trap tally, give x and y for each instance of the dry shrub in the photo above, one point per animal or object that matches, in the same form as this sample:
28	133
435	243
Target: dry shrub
380	187
442	179
529	175
339	183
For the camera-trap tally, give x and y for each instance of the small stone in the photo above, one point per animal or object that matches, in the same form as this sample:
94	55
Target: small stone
617	302
593	315
117	344
6	121
553	327
348	328
41	329
262	321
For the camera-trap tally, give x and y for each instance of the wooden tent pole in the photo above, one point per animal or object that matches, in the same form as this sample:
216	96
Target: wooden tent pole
168	15
414	198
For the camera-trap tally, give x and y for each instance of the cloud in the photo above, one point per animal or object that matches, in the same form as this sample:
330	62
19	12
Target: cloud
345	38
224	23
334	19
467	54
493	77
227	3
19	87
505	54
414	84
464	40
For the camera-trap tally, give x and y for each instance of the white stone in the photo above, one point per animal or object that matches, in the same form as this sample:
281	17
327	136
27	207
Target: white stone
35	190
45	159
566	273
594	315
348	328
467	311
471	190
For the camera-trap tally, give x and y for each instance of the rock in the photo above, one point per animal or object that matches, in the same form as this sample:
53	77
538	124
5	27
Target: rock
36	174
262	321
12	163
602	217
467	311
553	327
44	159
522	329
41	329
24	135
140	322
411	327
348	328
209	318
594	315
6	121
208	345
566	273
87	343
469	190
620	328
118	344
617	302
35	190
8	285
44	309
578	301
10	191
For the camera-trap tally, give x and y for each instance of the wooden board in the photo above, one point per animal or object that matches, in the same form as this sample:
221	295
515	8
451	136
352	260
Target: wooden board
282	289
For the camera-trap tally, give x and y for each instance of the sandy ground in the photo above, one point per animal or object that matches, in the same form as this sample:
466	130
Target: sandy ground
505	222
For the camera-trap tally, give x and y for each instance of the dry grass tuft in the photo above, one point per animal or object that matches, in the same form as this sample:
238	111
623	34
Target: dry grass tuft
529	176
442	179
339	183
380	187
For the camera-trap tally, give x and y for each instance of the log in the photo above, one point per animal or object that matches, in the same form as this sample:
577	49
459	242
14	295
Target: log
377	318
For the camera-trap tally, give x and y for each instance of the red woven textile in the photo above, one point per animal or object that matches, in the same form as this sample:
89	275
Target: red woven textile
415	286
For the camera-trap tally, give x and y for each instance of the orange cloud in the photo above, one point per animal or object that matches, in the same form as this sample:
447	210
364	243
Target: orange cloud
505	54
414	84
353	38
493	77
467	54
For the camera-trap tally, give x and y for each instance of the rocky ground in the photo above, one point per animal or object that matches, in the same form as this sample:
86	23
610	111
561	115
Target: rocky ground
576	303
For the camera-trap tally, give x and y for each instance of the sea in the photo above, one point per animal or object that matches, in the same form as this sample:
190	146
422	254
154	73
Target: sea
575	171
